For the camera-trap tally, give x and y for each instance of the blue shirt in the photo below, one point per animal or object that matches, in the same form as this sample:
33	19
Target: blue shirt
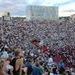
36	71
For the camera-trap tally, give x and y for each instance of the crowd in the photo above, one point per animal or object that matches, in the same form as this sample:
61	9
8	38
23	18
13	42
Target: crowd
19	32
37	47
42	62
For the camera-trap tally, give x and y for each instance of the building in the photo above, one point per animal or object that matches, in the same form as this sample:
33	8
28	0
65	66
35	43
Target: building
41	12
72	17
6	16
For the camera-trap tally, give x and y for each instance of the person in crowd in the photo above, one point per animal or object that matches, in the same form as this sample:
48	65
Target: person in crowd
17	63
36	69
1	67
50	61
9	68
29	66
5	54
61	68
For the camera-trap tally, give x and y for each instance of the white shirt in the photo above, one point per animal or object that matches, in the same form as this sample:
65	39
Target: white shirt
5	55
51	74
50	60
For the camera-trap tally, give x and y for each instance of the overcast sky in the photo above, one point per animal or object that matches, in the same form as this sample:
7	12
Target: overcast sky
17	7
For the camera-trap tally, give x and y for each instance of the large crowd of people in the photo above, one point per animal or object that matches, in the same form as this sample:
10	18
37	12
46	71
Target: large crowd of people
19	32
37	47
41	62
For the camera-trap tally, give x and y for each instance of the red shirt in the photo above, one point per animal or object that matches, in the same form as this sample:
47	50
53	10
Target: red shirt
57	58
44	48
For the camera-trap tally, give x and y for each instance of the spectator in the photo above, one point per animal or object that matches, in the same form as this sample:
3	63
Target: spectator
17	63
1	67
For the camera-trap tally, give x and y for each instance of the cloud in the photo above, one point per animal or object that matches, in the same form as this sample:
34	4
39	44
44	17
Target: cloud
19	10
16	7
71	10
54	2
67	9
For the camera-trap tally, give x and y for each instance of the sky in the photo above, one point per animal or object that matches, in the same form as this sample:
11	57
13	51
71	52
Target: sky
17	7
